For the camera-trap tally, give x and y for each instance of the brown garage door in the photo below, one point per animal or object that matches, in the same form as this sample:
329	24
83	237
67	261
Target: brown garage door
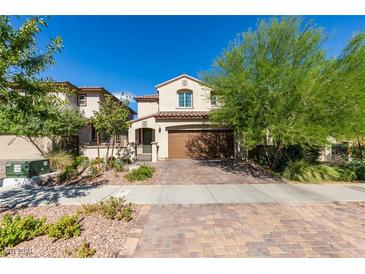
204	144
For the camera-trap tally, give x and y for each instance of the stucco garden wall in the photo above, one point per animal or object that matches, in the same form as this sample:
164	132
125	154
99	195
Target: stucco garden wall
16	148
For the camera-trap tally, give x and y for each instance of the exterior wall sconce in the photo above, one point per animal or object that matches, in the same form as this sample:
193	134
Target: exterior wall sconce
159	129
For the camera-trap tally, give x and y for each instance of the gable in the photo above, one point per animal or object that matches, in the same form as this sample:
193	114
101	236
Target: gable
181	78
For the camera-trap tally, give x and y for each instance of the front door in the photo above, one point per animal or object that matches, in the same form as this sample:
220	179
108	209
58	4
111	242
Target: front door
147	139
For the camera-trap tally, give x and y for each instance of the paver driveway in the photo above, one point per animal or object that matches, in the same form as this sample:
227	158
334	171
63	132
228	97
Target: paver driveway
250	230
189	172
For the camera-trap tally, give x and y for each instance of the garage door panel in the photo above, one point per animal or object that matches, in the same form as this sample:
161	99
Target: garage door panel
200	144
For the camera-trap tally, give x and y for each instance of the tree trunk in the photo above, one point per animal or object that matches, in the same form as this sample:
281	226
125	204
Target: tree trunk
98	144
28	138
107	156
268	160
113	144
360	148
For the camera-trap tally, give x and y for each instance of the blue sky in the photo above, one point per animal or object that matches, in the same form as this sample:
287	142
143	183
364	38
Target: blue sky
135	53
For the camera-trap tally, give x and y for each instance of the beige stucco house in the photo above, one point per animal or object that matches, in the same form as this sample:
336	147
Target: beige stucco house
87	100
173	123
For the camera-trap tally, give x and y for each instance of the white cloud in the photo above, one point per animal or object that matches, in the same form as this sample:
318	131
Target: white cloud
125	95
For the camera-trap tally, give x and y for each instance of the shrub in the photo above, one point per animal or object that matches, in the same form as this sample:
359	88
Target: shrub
68	174
140	174
116	208
97	161
60	160
88	209
16	229
346	175
127	160
277	161
304	172
118	165
82	161
67	227
111	161
356	166
84	251
95	172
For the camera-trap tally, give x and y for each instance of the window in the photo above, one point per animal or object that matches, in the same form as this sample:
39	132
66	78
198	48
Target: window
81	100
213	99
185	99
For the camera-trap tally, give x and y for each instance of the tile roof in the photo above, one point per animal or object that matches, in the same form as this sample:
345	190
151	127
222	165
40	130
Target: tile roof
182	115
151	97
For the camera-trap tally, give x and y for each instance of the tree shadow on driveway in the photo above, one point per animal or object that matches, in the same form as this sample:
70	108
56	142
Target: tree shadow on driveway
34	196
243	169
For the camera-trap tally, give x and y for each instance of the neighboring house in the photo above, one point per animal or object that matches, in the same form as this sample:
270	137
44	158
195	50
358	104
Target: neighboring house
87	100
173	123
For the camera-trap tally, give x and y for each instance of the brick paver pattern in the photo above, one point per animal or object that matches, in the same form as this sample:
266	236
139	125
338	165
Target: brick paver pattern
193	172
248	230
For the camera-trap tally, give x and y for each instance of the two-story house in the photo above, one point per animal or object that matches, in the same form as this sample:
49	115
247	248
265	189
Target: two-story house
87	100
173	123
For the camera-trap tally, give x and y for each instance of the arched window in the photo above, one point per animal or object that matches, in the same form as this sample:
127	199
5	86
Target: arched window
185	98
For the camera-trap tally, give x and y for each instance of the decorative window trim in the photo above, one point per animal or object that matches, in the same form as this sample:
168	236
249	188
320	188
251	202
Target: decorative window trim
78	100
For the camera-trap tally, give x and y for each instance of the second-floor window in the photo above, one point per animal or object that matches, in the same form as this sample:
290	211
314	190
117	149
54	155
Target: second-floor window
185	99
213	99
81	100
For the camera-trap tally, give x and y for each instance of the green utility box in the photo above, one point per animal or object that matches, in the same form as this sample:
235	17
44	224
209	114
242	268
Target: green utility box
27	168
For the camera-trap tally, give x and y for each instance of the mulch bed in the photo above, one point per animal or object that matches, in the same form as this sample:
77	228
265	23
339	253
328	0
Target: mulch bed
112	177
106	236
109	177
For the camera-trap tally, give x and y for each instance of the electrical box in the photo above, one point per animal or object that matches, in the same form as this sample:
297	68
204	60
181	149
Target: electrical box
27	168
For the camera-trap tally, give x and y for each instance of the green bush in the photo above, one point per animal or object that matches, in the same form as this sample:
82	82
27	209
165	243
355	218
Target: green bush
346	175
304	172
140	174
118	165
67	227
277	161
95	172
84	251
357	167
116	208
97	161
16	229
82	161
127	160
68	174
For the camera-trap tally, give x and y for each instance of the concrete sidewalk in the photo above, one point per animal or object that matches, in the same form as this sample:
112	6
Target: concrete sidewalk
184	194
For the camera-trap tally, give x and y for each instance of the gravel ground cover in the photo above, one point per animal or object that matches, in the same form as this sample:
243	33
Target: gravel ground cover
106	236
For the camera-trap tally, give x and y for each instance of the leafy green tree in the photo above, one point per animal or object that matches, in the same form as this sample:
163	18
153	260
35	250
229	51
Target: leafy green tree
30	105
277	86
112	120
